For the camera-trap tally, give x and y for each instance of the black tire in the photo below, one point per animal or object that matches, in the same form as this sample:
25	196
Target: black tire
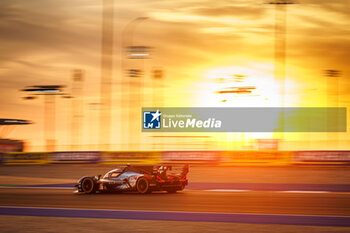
172	190
182	188
88	185
142	185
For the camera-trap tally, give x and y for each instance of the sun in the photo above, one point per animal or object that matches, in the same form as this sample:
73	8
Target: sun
233	86
239	87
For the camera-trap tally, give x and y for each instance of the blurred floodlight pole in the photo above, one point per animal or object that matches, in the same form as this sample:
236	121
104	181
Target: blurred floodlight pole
280	38
136	82
157	99
128	52
332	79
50	122
77	107
280	50
332	101
49	92
92	130
106	74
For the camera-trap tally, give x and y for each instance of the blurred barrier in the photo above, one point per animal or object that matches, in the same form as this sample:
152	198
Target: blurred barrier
22	158
8	145
76	157
256	158
191	157
222	158
322	157
137	157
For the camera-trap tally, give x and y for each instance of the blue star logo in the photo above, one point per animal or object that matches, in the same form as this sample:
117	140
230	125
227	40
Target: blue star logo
151	120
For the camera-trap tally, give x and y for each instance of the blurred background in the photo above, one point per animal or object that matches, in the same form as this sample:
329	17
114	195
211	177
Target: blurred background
76	74
79	71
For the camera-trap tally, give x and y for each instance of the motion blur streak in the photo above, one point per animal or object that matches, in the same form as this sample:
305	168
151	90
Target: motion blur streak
180	216
320	199
199	54
189	201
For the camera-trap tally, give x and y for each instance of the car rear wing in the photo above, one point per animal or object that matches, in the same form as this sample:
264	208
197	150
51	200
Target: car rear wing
176	170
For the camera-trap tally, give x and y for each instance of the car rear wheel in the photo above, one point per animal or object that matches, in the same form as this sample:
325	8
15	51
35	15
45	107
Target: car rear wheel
142	185
88	185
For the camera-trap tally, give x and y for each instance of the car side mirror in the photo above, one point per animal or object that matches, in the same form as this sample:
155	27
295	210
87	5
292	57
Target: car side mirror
99	177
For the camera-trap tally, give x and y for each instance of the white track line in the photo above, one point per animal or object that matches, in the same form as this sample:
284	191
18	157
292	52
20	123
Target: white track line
301	191
281	191
206	190
228	190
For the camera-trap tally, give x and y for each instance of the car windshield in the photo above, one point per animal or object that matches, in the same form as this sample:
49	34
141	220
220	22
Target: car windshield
113	173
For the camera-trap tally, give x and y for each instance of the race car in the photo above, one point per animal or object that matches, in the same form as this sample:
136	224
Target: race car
143	179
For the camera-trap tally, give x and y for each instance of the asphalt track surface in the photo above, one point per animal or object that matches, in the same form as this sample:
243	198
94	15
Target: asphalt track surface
311	188
328	205
325	204
212	174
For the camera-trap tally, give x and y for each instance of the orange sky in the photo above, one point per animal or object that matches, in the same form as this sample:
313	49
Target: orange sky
41	41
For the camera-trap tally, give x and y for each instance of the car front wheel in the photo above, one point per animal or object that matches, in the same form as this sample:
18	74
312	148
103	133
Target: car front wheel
88	185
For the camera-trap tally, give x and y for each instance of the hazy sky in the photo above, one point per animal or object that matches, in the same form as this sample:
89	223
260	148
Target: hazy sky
41	41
